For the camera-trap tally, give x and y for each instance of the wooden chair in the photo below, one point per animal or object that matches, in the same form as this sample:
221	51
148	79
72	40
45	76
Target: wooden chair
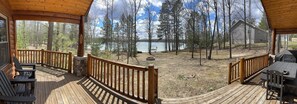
8	94
19	68
275	83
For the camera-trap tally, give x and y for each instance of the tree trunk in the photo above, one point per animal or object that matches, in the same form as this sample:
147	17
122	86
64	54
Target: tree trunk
224	18
57	39
216	20
193	37
249	31
218	32
50	36
244	10
176	34
230	47
209	29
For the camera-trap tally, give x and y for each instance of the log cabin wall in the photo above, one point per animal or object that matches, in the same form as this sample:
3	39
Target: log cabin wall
5	10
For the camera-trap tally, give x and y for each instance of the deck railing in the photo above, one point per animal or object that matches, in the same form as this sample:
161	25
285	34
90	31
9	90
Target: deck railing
136	82
233	72
49	58
245	68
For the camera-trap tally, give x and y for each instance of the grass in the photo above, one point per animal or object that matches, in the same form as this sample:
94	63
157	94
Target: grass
183	76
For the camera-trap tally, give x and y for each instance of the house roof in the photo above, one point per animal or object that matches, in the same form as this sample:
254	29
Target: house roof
50	10
239	22
281	15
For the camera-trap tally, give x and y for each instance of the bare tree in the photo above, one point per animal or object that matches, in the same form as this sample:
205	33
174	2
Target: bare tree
244	6
216	20
229	13
224	20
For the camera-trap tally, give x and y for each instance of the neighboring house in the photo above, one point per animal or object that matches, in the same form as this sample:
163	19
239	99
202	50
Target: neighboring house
237	31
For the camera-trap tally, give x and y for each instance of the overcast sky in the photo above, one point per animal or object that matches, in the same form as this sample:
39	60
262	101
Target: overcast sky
99	10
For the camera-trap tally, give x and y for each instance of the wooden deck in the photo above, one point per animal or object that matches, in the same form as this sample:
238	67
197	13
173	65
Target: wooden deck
58	87
250	93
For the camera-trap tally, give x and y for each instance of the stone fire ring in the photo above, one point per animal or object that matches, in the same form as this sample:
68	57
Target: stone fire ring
150	59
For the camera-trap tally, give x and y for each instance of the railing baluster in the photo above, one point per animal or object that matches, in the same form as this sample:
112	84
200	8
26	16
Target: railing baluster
124	79
108	69
143	85
128	81
102	70
111	75
132	82
115	76
138	84
119	82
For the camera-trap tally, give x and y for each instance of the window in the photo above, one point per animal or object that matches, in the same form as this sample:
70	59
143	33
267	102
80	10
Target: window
4	46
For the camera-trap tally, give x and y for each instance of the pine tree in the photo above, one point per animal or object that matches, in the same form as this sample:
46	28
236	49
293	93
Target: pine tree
177	7
164	27
263	22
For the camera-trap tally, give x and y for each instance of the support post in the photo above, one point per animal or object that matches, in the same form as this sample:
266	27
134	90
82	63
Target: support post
70	62
80	49
151	84
229	73
273	40
242	70
89	65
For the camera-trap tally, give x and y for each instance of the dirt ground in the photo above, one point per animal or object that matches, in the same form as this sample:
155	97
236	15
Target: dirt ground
182	76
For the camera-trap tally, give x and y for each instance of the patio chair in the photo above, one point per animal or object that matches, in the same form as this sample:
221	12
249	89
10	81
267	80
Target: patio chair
275	83
8	93
19	68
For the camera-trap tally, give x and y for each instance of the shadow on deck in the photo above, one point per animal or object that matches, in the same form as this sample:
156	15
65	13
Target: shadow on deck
57	86
249	93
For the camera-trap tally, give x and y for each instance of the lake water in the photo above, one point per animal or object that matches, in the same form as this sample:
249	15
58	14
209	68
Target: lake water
160	46
143	46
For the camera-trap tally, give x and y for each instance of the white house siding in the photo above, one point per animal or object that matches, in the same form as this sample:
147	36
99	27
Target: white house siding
238	34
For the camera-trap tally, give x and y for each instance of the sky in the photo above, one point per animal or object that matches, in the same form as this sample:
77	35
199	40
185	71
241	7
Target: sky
99	10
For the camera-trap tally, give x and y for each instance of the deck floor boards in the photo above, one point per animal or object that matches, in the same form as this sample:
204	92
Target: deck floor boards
55	86
59	88
235	93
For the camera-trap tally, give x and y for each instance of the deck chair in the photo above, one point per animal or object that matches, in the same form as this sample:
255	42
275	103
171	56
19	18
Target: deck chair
275	83
8	93
19	68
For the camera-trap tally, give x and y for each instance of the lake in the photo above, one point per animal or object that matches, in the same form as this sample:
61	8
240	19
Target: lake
143	46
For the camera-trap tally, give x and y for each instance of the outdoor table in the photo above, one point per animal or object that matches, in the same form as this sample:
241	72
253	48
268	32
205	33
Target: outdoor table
291	68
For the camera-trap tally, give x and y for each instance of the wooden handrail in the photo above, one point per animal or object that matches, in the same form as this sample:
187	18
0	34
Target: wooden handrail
49	58
136	82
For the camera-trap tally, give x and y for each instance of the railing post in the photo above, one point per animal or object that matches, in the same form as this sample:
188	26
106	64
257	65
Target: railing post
70	62
156	81
151	84
89	63
42	57
229	73
242	70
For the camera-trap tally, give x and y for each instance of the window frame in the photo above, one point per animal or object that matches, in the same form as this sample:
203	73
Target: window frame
5	42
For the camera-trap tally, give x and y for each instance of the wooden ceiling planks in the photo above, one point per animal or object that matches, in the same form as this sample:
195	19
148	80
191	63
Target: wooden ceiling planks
76	7
50	10
281	15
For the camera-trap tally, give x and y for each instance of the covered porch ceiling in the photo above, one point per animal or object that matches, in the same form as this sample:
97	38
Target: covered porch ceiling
50	10
281	15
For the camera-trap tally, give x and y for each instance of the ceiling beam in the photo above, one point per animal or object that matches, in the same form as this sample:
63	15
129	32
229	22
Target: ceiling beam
286	31
46	16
